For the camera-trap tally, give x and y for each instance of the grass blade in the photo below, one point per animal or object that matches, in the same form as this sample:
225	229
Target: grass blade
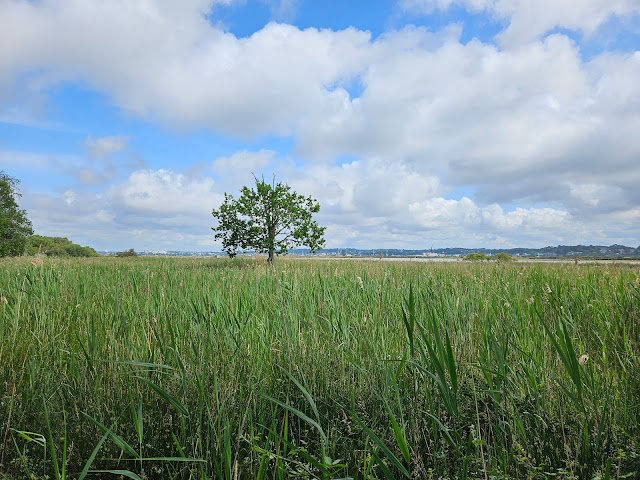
380	444
170	399
120	443
92	457
125	473
302	416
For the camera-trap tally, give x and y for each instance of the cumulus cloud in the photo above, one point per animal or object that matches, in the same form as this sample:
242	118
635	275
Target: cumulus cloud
374	202
526	123
163	193
537	225
365	203
149	209
164	60
529	19
517	126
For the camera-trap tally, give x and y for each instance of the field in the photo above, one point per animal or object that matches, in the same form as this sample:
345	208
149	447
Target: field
212	368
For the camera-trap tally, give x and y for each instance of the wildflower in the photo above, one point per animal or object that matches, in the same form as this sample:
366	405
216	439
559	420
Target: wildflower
583	359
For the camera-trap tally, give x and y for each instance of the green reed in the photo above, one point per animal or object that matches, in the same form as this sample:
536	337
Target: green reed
216	368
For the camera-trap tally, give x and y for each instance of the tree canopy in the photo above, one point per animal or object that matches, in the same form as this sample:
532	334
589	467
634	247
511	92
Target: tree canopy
269	219
15	227
57	247
127	253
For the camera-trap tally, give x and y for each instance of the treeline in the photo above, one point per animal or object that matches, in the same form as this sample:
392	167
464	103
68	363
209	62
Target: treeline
57	247
570	251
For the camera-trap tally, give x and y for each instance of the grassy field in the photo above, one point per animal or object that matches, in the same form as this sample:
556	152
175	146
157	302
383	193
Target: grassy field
212	368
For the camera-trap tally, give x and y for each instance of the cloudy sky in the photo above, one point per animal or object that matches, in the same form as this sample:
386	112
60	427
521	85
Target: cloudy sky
415	123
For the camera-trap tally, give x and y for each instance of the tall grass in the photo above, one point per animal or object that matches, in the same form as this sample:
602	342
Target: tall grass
202	368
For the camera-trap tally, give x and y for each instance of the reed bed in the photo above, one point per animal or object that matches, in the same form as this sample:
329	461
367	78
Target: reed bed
229	369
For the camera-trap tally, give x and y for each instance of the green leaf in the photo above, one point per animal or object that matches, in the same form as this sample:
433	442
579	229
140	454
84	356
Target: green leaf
125	473
120	443
31	436
445	432
302	416
92	457
170	399
380	444
400	438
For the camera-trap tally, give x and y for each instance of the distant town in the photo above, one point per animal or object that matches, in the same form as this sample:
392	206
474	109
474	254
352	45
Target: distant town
560	251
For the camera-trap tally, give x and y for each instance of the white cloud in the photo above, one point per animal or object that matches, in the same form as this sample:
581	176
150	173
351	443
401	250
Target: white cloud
104	146
529	19
517	126
365	203
164	60
150	209
164	193
440	213
284	10
244	161
532	126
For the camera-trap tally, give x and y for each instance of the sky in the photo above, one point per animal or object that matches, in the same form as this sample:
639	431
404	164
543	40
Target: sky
414	123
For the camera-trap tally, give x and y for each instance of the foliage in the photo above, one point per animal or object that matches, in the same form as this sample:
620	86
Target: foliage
326	369
15	227
128	253
476	257
57	247
503	257
268	219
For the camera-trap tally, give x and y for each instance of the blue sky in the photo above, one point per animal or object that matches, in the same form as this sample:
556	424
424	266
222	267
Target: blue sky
415	123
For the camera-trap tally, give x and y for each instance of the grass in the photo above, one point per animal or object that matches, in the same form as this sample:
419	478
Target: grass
203	368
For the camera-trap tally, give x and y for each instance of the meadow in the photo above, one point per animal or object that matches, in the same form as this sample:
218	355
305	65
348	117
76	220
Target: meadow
229	369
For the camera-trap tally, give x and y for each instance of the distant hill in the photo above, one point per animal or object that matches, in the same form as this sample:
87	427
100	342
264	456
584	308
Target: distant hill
57	247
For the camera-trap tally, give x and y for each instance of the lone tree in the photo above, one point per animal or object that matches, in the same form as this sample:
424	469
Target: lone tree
15	227
269	219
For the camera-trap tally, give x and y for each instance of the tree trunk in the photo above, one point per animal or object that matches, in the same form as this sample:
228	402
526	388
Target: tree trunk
271	244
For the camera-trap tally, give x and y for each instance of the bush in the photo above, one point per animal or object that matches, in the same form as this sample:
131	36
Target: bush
129	253
476	257
503	257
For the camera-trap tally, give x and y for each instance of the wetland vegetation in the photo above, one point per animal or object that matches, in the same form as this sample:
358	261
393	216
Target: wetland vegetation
218	368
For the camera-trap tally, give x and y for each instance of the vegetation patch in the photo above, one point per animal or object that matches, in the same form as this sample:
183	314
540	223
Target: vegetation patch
228	368
56	247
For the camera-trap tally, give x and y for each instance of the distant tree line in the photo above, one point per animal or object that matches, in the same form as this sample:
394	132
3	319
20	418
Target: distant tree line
56	247
500	257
